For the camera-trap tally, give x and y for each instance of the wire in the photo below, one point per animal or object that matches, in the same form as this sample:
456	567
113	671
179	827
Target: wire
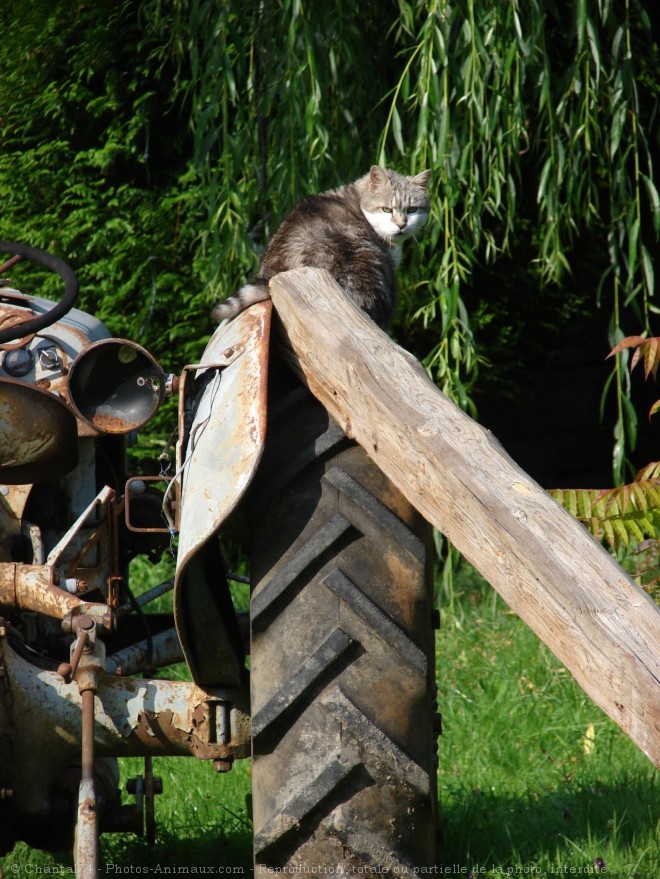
194	437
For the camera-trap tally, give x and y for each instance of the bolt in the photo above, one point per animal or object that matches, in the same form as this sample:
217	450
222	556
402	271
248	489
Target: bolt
155	784
86	623
49	358
172	384
223	765
69	584
65	671
135	784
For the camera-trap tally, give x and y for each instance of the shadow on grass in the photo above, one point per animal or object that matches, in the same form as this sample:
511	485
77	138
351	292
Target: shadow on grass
210	849
570	826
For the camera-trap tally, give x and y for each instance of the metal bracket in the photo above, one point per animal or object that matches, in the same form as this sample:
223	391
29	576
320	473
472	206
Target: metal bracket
145	788
228	356
134	488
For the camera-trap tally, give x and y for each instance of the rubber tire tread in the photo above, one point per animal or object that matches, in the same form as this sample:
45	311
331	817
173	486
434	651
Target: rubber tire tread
342	655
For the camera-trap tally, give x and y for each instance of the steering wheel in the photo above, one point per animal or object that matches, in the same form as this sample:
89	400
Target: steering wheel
66	303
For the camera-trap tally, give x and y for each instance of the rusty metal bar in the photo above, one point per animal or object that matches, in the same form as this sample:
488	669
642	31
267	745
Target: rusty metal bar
68	669
166	650
87	831
87	697
86	841
128	495
146	597
32	587
10	263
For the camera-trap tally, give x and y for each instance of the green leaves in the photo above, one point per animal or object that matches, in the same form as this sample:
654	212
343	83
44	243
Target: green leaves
621	516
87	171
627	516
158	144
568	133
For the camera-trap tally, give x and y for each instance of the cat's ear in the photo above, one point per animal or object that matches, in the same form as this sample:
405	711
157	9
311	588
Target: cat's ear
377	177
421	179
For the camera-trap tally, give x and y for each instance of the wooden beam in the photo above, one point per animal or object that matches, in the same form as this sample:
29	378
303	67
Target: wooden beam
545	565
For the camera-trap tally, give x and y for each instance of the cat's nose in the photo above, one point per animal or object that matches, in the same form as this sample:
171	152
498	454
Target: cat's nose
402	222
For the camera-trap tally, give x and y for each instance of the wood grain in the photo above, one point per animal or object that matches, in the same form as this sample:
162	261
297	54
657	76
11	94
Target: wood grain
545	565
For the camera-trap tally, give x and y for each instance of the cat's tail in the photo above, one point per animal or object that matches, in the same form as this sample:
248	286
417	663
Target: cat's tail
257	291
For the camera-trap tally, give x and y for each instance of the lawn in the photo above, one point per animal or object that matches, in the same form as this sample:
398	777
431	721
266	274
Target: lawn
534	780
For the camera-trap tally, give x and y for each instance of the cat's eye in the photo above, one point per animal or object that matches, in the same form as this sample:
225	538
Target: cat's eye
387	210
412	210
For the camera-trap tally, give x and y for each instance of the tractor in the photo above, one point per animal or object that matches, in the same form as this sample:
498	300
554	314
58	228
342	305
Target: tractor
327	684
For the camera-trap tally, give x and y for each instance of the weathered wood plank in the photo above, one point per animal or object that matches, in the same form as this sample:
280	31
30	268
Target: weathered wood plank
544	564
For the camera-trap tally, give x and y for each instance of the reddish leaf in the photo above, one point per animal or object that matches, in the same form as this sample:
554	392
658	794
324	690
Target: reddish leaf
649	471
650	350
628	342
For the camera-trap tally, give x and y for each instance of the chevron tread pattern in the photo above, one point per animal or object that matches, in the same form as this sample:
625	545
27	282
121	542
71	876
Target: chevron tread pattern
319	665
379	622
341	656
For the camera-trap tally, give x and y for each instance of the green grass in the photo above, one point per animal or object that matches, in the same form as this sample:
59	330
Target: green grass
534	780
202	816
202	822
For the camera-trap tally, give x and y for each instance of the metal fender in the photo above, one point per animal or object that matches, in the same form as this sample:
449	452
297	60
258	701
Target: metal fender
223	426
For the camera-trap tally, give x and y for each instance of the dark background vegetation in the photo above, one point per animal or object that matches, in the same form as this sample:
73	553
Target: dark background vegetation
154	146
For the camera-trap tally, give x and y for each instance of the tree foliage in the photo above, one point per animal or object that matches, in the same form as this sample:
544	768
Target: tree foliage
622	516
646	351
90	166
539	120
627	517
156	144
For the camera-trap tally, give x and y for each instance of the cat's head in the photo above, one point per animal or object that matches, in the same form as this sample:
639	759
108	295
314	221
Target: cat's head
395	206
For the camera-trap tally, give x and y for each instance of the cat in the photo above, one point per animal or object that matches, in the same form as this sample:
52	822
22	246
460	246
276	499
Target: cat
355	232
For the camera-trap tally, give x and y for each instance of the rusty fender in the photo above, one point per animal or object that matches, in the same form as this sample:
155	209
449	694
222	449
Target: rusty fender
227	437
218	457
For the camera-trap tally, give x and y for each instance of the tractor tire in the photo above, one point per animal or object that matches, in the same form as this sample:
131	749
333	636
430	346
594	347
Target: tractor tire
342	655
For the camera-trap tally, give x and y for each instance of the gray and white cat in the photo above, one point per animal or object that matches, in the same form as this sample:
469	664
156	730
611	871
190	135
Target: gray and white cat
354	232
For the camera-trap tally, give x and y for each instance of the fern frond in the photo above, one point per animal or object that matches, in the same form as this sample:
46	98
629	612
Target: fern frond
628	514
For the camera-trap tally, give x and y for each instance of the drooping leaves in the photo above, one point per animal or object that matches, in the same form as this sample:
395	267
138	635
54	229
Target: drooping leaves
157	144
